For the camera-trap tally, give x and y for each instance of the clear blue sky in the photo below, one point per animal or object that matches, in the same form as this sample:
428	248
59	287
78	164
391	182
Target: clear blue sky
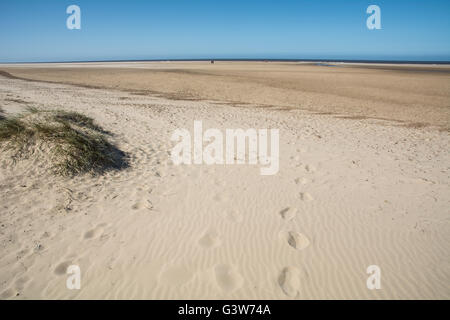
35	30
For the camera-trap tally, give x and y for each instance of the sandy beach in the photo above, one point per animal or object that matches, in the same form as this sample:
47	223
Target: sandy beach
363	180
412	95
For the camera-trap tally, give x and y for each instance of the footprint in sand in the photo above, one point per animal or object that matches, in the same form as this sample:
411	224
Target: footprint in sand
310	168
288	213
142	205
228	278
94	233
61	269
210	239
301	181
305	196
289	281
296	240
137	206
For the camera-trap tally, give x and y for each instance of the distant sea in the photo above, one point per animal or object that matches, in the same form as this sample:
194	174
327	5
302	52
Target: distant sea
253	59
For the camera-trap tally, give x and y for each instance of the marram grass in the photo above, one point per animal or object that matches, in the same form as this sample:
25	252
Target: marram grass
75	142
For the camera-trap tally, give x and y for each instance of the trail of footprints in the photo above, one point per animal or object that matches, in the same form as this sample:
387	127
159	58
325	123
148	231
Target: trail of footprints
289	278
95	233
140	194
227	277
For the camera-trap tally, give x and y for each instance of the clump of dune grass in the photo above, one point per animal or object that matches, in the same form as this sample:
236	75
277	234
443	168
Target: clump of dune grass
76	144
14	130
2	116
31	109
77	119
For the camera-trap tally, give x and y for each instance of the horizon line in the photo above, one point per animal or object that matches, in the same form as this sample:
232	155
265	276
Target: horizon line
381	61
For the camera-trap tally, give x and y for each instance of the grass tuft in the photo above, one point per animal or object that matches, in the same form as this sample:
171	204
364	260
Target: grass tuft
77	145
77	119
11	128
32	110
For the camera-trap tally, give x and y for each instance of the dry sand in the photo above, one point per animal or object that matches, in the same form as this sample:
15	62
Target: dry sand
350	192
415	95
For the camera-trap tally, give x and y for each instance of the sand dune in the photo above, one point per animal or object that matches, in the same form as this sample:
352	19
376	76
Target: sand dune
350	193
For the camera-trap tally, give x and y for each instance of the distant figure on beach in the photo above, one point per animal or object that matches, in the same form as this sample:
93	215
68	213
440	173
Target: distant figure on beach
212	61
